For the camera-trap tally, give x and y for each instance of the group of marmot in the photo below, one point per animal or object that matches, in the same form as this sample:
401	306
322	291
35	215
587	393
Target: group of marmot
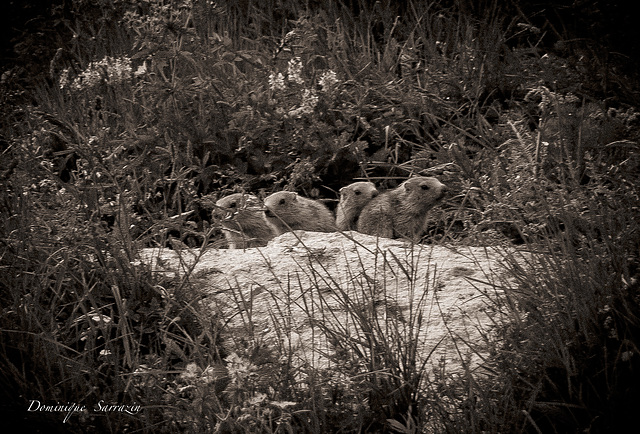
397	213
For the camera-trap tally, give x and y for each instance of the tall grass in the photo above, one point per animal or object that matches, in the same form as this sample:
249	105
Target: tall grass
149	111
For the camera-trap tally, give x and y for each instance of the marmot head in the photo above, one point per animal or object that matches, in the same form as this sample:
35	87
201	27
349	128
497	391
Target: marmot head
229	206
279	201
358	192
425	189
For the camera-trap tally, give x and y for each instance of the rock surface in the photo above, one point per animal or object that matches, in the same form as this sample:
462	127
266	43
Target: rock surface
320	294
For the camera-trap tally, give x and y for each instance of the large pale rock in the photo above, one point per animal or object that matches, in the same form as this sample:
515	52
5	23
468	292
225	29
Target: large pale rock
317	295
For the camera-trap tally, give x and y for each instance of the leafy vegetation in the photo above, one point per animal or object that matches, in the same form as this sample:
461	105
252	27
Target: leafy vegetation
123	120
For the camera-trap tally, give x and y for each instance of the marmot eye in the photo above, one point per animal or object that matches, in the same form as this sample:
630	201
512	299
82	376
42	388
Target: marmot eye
424	187
357	192
232	205
282	201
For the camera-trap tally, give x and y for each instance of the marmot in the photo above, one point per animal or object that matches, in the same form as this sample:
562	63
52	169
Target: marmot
353	198
243	222
402	212
285	211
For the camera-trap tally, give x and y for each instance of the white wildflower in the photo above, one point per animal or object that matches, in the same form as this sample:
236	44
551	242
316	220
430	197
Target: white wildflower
309	99
87	79
191	372
109	69
328	80
276	82
294	71
309	102
118	69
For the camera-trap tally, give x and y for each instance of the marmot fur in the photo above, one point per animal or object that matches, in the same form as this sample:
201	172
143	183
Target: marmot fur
402	212
353	198
285	211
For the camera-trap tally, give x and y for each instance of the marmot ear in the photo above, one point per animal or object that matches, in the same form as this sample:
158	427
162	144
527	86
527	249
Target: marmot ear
292	195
